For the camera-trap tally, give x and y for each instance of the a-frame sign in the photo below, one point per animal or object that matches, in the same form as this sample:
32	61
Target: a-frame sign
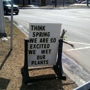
43	48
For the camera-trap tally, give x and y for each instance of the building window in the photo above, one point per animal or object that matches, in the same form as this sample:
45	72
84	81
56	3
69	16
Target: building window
53	1
33	0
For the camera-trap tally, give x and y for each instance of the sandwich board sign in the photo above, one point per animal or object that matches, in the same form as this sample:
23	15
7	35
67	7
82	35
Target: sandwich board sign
43	43
43	48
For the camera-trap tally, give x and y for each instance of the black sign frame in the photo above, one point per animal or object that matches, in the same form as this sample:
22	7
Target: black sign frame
57	68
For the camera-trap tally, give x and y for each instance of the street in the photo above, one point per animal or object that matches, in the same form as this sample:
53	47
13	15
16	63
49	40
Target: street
75	21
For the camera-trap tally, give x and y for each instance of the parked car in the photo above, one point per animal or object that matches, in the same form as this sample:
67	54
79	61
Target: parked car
85	2
78	1
7	7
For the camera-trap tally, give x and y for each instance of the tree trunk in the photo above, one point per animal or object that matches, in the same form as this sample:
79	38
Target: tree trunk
23	2
28	1
87	2
55	3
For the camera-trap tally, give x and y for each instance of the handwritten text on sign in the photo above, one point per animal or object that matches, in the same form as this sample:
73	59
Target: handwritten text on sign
43	44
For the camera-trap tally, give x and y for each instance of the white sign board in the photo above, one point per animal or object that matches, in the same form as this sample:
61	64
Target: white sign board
43	44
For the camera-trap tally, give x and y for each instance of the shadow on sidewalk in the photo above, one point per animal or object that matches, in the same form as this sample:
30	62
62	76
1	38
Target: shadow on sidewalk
8	54
4	83
53	84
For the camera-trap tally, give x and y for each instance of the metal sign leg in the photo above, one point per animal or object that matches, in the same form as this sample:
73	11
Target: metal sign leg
58	67
24	69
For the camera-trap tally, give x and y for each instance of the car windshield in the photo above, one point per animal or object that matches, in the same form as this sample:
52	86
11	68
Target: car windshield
6	2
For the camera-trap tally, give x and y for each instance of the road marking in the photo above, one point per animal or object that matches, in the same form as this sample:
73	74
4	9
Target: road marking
78	48
78	43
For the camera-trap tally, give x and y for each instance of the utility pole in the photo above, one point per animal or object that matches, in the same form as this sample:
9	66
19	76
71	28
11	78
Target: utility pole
11	29
2	24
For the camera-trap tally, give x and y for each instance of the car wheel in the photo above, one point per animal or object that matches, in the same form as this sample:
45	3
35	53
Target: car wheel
17	13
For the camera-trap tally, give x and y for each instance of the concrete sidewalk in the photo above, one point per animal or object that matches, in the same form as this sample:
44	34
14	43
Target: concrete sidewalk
10	67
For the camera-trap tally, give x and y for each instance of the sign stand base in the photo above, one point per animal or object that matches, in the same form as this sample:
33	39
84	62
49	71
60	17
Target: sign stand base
57	68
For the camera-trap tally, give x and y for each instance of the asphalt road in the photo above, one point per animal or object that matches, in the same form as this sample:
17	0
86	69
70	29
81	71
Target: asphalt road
77	24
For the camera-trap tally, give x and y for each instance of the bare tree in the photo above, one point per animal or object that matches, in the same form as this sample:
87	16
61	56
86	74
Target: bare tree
62	36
